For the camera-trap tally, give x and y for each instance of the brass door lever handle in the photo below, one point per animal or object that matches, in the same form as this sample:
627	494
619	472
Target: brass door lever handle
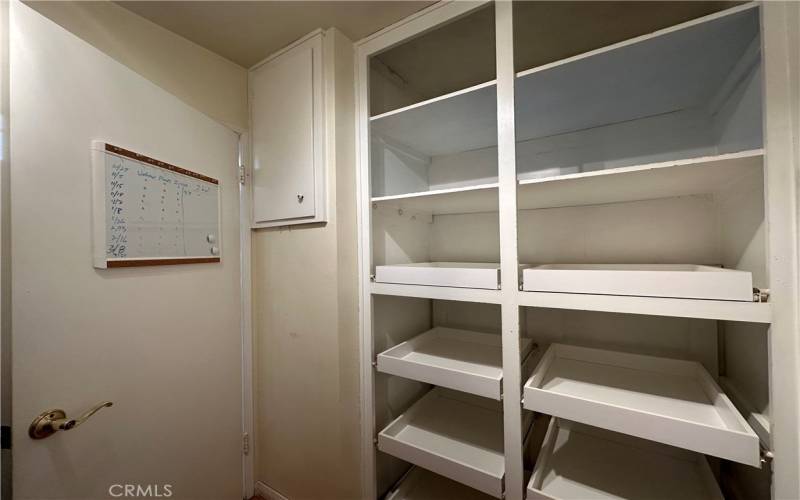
48	423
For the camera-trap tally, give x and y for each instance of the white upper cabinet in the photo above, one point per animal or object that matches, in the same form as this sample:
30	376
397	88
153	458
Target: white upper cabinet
287	126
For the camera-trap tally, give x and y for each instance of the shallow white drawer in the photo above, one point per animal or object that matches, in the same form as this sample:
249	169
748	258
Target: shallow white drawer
649	280
421	484
455	274
666	400
578	462
457	435
457	359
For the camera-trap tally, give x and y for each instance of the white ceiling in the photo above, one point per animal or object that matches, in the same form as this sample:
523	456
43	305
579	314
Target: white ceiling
247	32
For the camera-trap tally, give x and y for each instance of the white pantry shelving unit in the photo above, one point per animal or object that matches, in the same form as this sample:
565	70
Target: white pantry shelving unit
633	183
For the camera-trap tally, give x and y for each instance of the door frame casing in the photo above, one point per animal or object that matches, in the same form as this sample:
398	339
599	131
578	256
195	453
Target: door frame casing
245	236
5	248
780	25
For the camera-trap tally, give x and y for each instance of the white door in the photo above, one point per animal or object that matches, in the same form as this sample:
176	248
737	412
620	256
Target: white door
162	343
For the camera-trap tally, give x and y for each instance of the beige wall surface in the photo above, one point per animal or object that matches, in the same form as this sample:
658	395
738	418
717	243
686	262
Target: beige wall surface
5	255
199	77
305	307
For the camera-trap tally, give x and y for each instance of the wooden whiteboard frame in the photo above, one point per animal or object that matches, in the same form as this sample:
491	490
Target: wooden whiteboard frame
99	151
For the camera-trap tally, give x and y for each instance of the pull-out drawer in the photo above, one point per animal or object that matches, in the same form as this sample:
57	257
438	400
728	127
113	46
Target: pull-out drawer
421	484
578	462
666	400
457	359
646	280
455	274
457	435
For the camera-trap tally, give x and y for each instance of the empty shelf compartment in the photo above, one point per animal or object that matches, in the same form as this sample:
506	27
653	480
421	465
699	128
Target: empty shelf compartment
421	484
455	274
457	359
463	120
648	280
666	400
578	462
457	435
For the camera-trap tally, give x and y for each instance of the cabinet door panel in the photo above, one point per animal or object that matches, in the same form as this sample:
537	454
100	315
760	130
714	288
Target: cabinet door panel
284	132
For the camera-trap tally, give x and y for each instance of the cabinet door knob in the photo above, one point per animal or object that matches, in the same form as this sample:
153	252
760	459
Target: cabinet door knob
300	198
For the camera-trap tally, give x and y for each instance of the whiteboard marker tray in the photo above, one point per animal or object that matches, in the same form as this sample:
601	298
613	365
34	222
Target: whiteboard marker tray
421	484
457	359
666	400
456	274
457	435
578	462
648	280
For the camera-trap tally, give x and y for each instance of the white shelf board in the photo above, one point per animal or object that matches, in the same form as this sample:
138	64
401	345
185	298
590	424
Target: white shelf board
461	200
703	175
754	312
460	121
665	71
578	462
686	281
437	292
421	484
670	401
456	435
457	359
700	175
446	274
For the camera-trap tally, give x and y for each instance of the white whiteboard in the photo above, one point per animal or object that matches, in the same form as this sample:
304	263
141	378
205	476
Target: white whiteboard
148	212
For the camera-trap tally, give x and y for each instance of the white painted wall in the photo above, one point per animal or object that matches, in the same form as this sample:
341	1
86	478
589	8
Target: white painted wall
204	80
388	90
400	237
306	324
163	343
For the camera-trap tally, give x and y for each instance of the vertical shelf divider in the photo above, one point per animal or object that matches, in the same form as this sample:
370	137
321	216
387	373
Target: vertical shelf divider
365	325
783	256
509	269
420	22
